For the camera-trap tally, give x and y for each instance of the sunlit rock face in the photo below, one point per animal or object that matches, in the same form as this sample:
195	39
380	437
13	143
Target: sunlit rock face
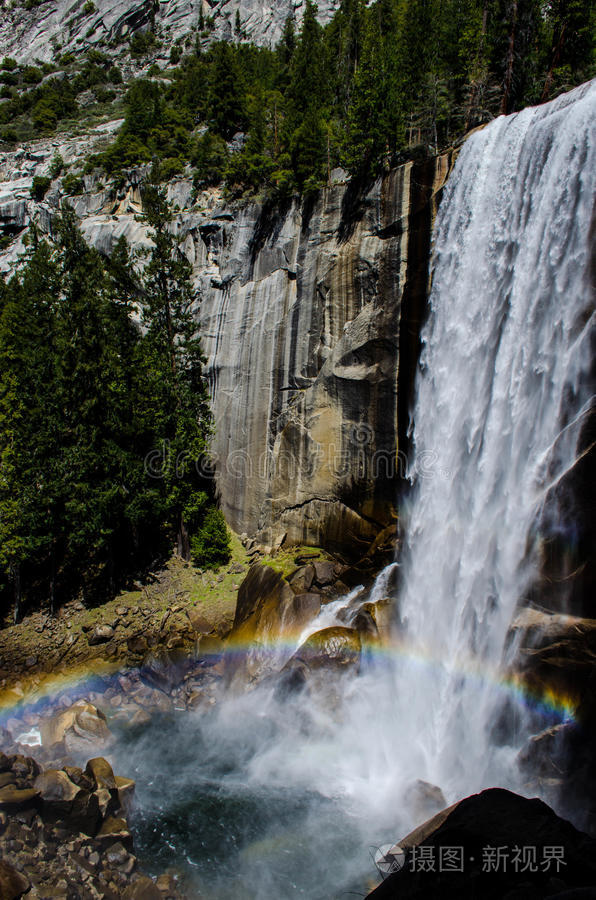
303	312
59	27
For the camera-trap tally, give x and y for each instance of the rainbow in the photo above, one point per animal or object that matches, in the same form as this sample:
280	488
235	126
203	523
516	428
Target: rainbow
34	693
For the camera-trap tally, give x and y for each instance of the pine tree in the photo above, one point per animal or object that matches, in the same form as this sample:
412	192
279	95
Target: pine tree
95	336
30	438
366	134
307	99
171	365
226	109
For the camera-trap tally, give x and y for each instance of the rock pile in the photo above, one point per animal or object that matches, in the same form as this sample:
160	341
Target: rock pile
64	833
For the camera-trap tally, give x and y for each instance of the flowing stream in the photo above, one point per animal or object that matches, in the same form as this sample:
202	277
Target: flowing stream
260	798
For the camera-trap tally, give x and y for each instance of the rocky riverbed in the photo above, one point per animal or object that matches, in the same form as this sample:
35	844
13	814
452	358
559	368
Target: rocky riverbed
64	833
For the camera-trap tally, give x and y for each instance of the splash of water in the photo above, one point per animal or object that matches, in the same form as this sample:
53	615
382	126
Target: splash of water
501	386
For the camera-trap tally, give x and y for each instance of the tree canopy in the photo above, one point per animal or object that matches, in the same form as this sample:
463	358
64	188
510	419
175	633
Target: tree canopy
104	414
378	84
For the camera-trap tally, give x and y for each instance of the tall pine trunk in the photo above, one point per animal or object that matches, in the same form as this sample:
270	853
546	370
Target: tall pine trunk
15	577
52	583
183	540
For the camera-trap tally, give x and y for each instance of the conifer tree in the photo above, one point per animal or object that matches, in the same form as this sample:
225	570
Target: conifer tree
171	366
30	435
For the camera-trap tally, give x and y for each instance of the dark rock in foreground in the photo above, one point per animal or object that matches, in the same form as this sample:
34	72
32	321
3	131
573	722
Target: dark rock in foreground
64	833
494	845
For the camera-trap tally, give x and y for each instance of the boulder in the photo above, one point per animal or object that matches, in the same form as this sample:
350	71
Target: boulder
264	613
160	671
101	634
302	579
13	884
324	572
115	830
101	772
137	643
126	789
305	607
477	827
13	798
199	623
334	649
261	586
56	790
424	799
557	655
81	728
142	889
65	801
543	754
78	777
373	620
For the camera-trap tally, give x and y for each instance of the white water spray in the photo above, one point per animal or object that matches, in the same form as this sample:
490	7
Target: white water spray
505	349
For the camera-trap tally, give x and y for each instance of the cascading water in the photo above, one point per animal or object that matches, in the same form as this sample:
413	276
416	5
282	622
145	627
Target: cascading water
505	349
279	799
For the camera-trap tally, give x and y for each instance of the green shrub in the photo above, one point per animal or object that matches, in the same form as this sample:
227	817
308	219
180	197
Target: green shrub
103	95
40	186
97	58
9	78
9	63
8	136
89	8
56	166
67	59
169	167
44	115
210	545
115	75
175	54
32	75
142	43
73	185
210	158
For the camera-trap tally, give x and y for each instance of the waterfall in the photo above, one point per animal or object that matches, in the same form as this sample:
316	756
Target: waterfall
501	397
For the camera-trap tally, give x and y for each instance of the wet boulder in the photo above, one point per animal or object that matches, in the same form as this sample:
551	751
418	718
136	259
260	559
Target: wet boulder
336	648
56	791
373	621
319	664
302	579
13	884
324	572
81	728
264	613
158	672
305	607
495	819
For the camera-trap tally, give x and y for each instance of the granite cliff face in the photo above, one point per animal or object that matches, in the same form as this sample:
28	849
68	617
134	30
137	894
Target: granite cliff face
309	319
38	33
303	315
